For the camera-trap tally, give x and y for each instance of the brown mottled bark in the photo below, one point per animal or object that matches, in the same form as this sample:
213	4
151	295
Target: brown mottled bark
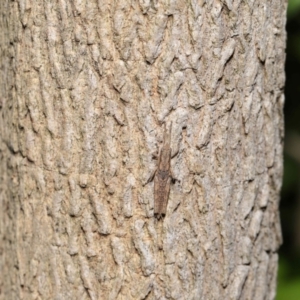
85	89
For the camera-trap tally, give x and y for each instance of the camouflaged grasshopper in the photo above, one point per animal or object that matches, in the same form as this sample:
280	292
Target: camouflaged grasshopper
162	177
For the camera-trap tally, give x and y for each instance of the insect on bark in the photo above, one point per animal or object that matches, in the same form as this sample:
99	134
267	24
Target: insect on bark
162	177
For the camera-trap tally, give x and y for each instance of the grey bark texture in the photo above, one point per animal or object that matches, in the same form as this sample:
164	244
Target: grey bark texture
86	87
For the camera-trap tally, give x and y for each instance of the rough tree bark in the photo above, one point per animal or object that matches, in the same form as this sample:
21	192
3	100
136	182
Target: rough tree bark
86	87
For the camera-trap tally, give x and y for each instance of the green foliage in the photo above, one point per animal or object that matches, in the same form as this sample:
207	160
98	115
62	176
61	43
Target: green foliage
289	256
288	286
290	177
293	8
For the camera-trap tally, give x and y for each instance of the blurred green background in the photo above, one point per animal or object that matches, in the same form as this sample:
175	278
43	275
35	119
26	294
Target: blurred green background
289	254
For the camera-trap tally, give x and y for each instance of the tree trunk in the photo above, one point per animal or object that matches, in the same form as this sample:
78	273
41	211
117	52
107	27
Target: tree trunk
86	88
